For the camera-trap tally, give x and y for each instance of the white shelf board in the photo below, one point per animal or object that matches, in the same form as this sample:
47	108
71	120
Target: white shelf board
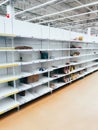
7	104
58	76
60	58
80	76
48	60
82	55
91	65
9	49
15	50
40	72
41	91
83	48
22	87
85	42
27	63
28	96
58	85
76	70
23	50
31	96
24	74
36	50
7	78
41	81
7	91
84	61
59	49
91	70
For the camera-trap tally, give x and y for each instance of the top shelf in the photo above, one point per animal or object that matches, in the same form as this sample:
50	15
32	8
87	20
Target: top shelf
7	35
77	41
61	40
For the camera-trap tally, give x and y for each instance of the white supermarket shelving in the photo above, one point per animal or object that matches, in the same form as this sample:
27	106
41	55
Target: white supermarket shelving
59	49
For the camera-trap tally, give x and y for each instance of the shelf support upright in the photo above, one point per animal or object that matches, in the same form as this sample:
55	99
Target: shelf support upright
70	50
10	10
49	55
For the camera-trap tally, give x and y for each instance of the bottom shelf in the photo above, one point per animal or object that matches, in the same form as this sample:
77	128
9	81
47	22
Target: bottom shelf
43	90
33	94
91	70
7	104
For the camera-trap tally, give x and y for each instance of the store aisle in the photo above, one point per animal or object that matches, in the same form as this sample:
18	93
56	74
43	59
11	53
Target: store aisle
74	107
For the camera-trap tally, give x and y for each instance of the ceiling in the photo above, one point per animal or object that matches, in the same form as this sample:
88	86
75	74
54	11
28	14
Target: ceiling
57	13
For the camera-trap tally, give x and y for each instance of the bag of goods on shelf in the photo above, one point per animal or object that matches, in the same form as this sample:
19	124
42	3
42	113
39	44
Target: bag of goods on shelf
72	68
52	73
80	38
44	54
73	46
74	76
23	47
63	79
30	79
64	70
81	72
75	53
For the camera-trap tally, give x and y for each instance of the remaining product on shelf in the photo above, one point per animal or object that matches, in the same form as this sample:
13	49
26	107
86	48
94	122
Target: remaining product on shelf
44	54
30	79
23	47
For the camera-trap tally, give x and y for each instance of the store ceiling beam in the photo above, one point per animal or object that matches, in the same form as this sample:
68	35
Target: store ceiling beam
72	16
86	7
82	4
64	11
4	2
78	21
36	7
79	25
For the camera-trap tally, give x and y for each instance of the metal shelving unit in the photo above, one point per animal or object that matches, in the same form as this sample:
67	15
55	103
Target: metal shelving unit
43	85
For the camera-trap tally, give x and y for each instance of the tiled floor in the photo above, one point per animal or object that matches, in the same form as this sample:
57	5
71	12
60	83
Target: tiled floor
74	107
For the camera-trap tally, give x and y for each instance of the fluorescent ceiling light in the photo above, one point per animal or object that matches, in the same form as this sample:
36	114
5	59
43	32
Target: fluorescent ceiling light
79	25
72	16
37	7
64	11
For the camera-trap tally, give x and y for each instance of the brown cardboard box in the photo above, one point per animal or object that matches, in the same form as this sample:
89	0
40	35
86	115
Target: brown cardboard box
33	78
30	79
